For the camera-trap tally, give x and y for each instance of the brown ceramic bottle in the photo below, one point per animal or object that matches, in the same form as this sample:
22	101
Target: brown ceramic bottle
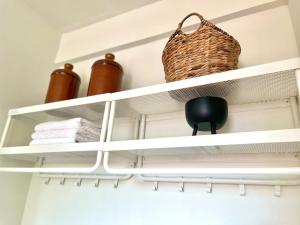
106	76
64	84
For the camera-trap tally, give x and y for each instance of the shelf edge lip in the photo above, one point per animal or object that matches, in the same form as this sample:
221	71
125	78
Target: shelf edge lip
247	72
242	138
60	104
52	148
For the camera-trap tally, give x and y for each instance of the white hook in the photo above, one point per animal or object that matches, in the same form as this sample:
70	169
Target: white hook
155	186
277	191
181	187
41	161
209	187
242	189
97	183
62	181
79	181
116	183
47	181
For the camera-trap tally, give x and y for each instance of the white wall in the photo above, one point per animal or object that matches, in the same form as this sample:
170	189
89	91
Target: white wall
13	193
265	36
134	203
149	21
294	6
27	50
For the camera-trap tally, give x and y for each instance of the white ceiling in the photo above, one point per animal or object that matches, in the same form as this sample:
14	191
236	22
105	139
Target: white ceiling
66	15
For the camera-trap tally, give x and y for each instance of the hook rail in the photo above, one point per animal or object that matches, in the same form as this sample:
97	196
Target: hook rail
81	177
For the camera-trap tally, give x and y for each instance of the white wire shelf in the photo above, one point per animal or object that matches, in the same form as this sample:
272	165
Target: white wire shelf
86	107
253	84
274	141
54	151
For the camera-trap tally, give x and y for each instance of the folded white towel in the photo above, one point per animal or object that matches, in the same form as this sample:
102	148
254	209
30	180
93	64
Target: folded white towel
52	141
67	133
65	124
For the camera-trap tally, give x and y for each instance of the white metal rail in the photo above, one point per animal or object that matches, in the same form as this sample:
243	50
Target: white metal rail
209	180
203	171
61	169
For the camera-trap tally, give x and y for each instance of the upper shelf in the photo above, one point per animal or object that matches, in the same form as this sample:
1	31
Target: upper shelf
266	82
86	107
253	84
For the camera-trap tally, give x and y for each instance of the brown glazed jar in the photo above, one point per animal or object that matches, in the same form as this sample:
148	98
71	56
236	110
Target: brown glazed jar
64	84
106	76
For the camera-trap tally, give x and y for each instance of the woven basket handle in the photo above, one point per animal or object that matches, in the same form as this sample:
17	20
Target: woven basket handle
188	16
182	22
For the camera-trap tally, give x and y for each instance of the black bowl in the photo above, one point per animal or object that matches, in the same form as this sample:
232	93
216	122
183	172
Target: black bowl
206	113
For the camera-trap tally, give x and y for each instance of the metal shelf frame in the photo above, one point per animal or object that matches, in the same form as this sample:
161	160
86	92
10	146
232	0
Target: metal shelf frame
91	169
291	66
149	144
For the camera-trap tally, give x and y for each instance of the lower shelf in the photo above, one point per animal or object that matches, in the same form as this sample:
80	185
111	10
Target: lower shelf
273	141
266	149
53	151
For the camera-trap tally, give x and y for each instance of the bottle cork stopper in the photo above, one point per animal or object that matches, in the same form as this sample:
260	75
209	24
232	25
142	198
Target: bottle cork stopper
109	56
68	66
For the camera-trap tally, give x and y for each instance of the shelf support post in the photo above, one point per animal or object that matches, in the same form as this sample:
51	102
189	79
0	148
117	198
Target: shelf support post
111	120
5	131
142	130
295	111
298	86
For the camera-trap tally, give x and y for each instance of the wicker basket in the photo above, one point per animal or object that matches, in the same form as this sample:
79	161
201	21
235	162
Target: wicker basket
207	50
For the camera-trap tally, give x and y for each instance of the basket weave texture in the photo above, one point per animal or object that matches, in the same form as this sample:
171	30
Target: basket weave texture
207	50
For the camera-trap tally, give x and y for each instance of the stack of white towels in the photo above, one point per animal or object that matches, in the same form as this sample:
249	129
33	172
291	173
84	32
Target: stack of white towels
66	131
